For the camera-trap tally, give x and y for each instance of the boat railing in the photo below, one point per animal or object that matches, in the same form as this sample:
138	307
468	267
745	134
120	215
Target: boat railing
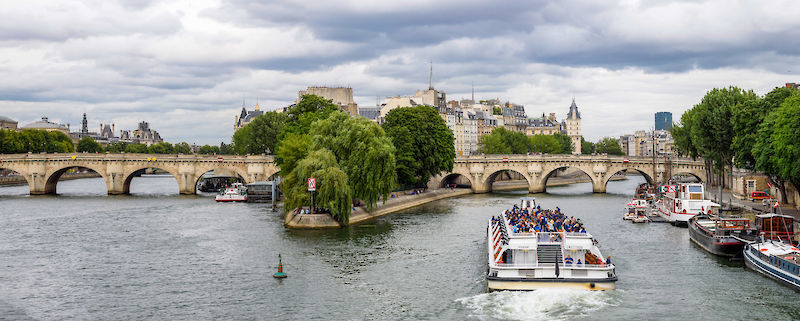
550	265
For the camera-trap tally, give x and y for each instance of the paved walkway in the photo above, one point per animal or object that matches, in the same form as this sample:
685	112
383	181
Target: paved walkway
753	206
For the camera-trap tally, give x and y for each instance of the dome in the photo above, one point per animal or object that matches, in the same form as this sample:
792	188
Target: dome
6	119
44	124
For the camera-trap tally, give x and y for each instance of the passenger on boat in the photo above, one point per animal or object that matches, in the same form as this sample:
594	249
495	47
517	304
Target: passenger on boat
568	260
608	259
579	262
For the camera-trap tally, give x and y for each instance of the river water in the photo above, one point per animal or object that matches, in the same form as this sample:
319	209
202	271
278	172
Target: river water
159	255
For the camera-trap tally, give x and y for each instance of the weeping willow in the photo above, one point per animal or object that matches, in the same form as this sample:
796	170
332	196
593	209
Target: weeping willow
332	194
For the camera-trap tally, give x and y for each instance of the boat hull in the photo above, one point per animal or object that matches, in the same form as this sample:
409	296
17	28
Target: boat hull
760	266
506	284
728	247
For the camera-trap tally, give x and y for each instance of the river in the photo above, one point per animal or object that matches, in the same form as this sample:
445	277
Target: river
159	255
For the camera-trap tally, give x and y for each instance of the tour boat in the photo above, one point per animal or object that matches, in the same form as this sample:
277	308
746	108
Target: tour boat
775	259
718	235
234	193
640	218
681	202
520	259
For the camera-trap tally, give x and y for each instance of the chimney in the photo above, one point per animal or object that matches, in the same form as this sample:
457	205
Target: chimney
101	129
113	129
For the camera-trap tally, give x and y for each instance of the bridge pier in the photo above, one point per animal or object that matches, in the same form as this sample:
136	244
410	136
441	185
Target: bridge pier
537	186
598	186
37	184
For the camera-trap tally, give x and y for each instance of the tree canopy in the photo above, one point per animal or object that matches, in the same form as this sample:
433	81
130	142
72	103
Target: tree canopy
261	135
587	147
504	141
608	145
548	144
565	142
34	141
423	144
776	150
89	145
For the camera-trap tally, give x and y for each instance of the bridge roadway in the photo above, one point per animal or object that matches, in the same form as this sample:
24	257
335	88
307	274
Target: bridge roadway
42	171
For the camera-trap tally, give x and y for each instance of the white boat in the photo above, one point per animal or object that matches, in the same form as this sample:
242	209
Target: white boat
523	259
683	201
634	208
234	193
775	259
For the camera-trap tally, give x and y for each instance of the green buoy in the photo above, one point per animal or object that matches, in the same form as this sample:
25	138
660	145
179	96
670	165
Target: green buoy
279	274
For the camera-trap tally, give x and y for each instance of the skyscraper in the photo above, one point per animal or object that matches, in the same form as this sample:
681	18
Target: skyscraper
663	120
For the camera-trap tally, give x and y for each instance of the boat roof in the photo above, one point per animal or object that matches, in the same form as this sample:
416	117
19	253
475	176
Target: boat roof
773	215
527	198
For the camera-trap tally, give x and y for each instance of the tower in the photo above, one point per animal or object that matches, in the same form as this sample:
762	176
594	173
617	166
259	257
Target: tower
84	125
574	127
430	82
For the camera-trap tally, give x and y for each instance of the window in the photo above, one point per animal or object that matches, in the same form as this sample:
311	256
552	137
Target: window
695	189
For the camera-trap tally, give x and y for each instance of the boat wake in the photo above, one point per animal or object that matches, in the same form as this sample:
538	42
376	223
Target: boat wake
548	304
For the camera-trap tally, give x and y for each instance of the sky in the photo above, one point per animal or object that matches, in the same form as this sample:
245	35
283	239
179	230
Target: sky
186	66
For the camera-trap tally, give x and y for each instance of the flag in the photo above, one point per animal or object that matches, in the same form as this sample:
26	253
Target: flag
776	204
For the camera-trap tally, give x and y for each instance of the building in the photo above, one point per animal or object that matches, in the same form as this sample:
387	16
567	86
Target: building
628	144
8	123
141	135
573	123
246	116
372	113
342	96
47	125
642	143
104	136
663	120
545	125
792	85
485	122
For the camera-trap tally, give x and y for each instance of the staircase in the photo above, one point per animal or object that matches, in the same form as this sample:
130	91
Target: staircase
550	253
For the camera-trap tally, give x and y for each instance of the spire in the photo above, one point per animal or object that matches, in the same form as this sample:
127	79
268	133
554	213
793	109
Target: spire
473	92
573	111
257	108
430	83
84	125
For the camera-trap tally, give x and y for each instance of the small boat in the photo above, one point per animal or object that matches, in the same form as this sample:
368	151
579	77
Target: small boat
775	259
234	193
682	201
635	208
523	257
640	218
718	235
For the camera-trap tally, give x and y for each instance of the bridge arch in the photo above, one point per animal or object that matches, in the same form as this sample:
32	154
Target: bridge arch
139	170
541	186
494	173
453	178
644	174
216	170
51	182
11	169
687	173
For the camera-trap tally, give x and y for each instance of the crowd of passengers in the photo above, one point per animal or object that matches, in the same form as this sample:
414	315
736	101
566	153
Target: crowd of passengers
539	220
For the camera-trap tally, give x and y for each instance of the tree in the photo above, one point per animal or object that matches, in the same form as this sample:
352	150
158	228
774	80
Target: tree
225	149
775	149
503	141
497	111
183	148
261	135
89	145
332	194
136	148
117	147
161	148
587	148
35	141
291	150
208	150
423	144
608	145
565	142
747	118
682	136
545	144
310	108
363	151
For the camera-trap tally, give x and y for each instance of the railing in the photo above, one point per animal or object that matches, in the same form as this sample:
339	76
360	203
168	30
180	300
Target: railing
551	265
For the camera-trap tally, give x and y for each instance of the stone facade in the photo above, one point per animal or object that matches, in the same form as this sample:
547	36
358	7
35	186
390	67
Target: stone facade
8	123
342	96
574	127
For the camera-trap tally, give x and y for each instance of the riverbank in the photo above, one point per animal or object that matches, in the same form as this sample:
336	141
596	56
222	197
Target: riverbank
360	214
19	180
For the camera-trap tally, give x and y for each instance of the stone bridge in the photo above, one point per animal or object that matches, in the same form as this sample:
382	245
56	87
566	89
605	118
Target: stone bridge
481	171
42	171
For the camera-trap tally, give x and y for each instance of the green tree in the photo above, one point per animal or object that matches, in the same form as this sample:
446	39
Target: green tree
545	144
208	150
497	111
226	149
261	135
565	142
747	118
423	144
682	136
363	151
11	142
136	148
608	145
309	109
333	193
89	145
587	148
775	150
503	141
291	150
117	147
37	141
161	148
183	148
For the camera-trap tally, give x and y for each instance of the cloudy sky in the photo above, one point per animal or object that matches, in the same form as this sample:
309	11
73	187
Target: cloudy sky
184	66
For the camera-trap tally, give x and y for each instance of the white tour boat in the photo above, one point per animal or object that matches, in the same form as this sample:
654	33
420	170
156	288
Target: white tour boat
523	259
234	193
635	207
683	201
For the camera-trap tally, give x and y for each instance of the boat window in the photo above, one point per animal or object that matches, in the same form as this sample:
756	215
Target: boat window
695	189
